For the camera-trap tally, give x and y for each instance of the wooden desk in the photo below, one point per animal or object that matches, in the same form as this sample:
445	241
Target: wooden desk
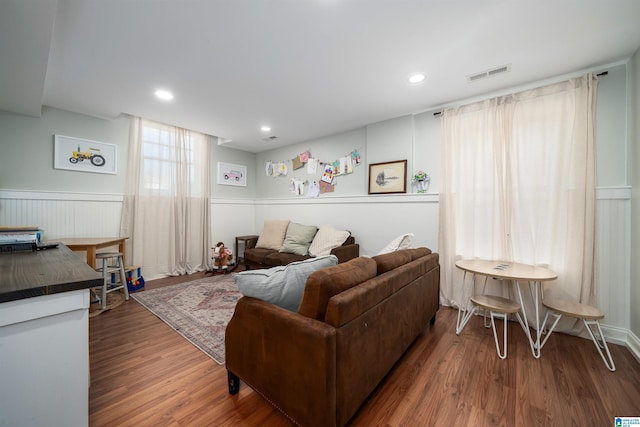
531	274
91	244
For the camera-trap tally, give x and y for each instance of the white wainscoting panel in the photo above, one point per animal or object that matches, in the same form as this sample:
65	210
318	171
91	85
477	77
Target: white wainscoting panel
61	214
613	257
231	218
373	221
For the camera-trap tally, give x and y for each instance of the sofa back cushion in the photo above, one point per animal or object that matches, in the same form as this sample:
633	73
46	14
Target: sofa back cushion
324	284
273	234
392	260
419	252
353	302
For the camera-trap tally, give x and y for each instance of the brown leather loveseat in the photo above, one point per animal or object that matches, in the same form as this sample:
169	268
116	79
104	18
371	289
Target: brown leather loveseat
356	319
267	258
282	242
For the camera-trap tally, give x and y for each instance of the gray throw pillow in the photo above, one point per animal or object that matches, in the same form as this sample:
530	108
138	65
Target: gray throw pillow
298	238
282	285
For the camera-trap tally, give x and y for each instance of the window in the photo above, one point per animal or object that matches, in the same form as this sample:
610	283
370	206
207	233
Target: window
170	156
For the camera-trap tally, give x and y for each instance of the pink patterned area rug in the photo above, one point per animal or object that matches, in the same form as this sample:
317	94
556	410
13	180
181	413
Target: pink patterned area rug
198	310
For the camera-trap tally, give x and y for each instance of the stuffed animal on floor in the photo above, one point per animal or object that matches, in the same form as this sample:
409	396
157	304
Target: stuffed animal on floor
222	256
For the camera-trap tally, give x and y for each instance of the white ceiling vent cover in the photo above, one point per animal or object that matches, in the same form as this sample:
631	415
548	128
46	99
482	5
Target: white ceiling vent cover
489	73
270	138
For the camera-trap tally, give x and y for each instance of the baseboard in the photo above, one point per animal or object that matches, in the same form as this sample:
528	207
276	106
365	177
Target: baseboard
613	334
620	336
633	344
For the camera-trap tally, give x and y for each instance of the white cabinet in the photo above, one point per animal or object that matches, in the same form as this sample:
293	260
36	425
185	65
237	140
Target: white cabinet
44	360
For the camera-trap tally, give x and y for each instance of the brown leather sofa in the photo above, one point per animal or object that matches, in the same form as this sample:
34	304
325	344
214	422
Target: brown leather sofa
267	258
355	320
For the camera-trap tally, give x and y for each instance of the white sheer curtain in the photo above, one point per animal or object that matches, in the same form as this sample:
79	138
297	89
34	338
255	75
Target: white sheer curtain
518	184
166	205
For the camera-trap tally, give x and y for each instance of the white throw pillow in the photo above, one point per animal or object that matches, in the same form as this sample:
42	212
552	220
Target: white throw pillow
326	239
273	234
282	285
401	242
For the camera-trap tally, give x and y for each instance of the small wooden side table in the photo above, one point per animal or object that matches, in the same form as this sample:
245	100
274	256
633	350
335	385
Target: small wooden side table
244	240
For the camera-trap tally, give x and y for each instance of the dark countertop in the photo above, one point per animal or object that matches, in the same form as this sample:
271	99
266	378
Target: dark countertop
50	271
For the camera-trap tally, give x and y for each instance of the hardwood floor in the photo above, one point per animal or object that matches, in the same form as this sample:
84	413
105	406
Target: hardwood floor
145	374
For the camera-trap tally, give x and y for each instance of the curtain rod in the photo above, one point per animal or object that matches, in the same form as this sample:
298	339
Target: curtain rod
602	74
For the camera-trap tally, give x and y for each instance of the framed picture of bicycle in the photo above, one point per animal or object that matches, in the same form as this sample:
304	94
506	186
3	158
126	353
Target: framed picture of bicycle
84	155
230	174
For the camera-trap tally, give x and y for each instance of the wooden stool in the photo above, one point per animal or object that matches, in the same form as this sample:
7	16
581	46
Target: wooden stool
501	308
589	315
106	269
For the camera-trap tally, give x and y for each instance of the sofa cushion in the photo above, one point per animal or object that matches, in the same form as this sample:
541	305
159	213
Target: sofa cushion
418	252
324	284
273	234
282	285
326	239
401	242
257	255
282	258
298	238
387	262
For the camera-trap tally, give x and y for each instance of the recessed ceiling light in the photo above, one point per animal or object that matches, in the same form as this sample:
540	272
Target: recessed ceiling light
416	78
265	129
165	95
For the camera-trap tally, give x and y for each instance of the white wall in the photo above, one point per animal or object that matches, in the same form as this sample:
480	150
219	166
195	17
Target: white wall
26	155
326	149
415	138
26	147
611	131
236	157
390	140
426	147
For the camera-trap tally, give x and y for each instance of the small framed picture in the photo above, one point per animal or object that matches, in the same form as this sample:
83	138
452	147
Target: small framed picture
230	174
84	155
388	177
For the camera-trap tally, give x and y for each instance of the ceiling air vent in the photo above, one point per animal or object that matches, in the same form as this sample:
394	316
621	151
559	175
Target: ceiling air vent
488	73
270	138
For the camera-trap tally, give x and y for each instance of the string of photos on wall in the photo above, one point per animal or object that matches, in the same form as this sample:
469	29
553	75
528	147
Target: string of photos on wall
327	172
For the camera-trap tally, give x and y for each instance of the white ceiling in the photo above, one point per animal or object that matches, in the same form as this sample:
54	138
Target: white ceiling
307	68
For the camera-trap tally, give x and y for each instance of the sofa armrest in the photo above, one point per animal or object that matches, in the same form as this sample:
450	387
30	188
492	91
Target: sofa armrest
288	358
346	252
251	243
